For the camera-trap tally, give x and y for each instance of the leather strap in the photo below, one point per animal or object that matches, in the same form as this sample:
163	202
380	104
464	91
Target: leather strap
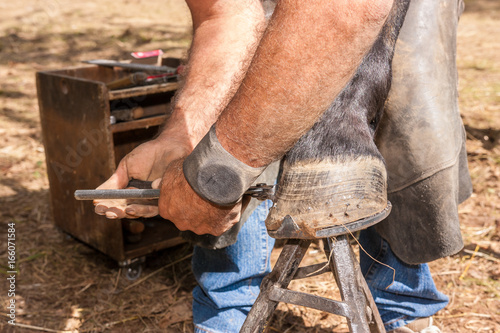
215	174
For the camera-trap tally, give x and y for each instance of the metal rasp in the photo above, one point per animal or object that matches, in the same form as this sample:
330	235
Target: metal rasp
134	66
259	191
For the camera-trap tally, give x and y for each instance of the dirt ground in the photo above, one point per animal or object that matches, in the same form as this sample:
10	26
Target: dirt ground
64	285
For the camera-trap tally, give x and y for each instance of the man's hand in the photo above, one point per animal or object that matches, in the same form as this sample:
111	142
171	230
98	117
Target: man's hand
188	211
146	162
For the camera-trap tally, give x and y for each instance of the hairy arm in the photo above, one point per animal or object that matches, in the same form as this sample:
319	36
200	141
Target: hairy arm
226	34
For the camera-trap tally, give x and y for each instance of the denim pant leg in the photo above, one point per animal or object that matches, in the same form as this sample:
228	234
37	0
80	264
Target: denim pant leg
229	279
411	295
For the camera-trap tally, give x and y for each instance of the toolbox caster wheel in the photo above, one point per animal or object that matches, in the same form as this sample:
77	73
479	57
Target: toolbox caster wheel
133	271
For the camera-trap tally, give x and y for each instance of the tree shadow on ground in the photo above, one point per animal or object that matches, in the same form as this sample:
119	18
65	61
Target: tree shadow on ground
489	137
21	118
53	47
288	322
23	201
483	7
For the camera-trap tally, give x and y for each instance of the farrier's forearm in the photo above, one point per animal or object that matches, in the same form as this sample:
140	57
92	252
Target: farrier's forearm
226	34
307	54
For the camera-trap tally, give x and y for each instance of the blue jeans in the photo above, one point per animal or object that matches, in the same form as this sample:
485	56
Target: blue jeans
402	297
229	280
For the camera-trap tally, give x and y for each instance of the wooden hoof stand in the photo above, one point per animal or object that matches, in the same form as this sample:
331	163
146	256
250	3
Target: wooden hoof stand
357	304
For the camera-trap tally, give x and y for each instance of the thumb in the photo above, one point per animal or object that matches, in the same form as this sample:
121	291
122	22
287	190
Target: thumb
118	180
156	183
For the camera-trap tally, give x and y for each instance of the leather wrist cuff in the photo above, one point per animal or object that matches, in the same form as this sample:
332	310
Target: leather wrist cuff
215	174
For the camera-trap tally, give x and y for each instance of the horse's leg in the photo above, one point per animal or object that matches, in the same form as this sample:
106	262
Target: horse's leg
335	174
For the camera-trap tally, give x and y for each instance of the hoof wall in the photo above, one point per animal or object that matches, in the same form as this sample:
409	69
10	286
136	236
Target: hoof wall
319	195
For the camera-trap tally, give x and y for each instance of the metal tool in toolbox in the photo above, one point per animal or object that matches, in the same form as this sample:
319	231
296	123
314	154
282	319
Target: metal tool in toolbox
144	74
260	192
141	79
134	66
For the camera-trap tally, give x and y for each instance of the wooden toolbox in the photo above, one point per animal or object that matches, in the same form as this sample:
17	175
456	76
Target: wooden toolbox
84	142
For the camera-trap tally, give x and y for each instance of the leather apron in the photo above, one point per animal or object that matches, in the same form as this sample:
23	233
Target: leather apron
422	139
